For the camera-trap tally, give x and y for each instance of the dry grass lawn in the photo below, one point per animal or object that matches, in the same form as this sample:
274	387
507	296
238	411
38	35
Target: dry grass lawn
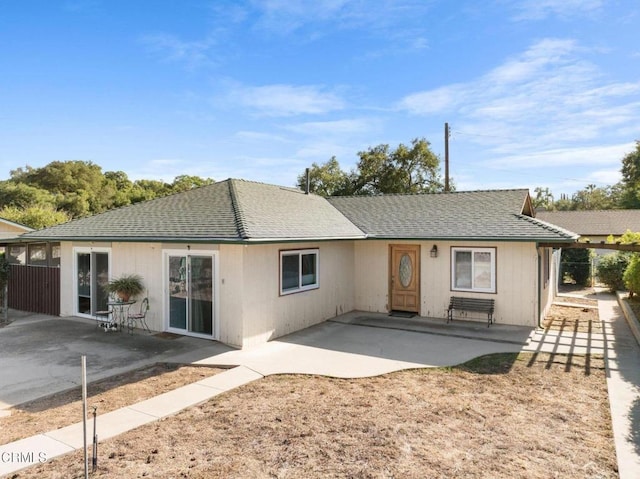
500	416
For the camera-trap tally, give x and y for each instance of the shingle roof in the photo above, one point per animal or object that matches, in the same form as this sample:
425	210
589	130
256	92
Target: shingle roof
594	222
237	210
230	210
477	215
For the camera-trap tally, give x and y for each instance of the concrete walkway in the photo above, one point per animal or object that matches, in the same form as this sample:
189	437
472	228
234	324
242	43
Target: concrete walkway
363	344
623	383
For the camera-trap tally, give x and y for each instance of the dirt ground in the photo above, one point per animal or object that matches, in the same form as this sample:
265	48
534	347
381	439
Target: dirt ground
500	416
64	409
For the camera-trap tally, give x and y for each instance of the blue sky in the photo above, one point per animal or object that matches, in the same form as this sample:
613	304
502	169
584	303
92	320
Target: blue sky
536	92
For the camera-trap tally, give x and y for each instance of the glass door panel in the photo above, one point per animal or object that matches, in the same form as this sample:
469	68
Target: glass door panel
191	293
84	283
178	292
200	294
92	272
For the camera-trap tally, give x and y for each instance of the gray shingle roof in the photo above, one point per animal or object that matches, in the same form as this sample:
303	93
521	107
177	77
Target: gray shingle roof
477	215
230	210
237	210
594	222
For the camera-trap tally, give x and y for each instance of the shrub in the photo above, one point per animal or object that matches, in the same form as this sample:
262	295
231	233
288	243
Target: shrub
611	270
632	275
576	263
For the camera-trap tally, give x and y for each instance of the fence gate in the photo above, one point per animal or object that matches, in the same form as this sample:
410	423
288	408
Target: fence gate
35	289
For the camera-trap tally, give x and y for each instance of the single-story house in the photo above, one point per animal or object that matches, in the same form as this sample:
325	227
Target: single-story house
244	262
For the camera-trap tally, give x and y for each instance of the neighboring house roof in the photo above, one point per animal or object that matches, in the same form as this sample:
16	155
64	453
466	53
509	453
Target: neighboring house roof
13	224
237	210
477	215
594	222
11	229
230	210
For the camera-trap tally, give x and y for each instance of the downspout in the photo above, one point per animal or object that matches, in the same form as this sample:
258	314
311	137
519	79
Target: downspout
539	287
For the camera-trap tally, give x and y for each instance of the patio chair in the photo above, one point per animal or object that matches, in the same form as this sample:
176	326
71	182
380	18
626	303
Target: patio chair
141	316
105	320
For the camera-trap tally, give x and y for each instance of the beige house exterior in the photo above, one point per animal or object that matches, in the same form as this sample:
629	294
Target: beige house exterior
243	262
9	229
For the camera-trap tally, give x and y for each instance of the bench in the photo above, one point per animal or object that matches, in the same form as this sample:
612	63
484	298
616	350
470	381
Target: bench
477	305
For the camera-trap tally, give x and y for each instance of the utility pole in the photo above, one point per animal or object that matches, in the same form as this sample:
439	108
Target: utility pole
446	157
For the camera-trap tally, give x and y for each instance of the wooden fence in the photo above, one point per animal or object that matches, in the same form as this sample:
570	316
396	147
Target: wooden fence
35	289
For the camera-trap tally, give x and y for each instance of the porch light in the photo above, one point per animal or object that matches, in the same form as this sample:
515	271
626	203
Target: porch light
434	251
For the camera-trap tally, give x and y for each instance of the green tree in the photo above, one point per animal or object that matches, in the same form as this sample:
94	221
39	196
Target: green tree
36	217
380	170
412	169
543	199
188	182
22	195
595	198
326	179
630	197
143	190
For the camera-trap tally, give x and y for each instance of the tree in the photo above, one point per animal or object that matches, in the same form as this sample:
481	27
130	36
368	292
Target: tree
380	170
403	170
22	195
631	179
326	179
35	217
143	190
543	198
188	182
595	198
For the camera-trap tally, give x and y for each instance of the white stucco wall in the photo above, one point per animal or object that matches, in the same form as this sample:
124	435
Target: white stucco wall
354	275
250	308
516	274
267	315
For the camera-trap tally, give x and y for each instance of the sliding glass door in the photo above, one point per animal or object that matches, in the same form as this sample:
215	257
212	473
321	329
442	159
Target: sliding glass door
92	276
190	295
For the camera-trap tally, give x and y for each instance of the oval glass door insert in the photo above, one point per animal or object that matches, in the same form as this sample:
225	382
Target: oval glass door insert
405	270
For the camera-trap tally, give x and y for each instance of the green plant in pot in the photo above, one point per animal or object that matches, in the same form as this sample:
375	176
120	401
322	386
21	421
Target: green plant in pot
126	286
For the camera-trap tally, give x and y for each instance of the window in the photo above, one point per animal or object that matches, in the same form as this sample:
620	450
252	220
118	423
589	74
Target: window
298	270
473	269
54	260
17	254
38	254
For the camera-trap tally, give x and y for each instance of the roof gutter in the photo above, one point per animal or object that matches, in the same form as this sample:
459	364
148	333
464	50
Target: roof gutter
160	239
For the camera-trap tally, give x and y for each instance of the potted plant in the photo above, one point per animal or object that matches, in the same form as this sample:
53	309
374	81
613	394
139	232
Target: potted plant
126	286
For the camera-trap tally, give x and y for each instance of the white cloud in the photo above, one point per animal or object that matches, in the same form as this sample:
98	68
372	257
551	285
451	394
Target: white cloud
335	127
546	97
605	177
435	101
541	9
555	157
286	100
260	136
171	48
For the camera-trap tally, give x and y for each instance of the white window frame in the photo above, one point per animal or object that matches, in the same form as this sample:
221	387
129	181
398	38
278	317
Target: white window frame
491	251
300	253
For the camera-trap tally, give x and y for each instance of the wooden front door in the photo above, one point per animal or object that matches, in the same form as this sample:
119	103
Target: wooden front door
404	280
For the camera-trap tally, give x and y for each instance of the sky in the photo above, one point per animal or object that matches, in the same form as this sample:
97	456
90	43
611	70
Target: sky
537	93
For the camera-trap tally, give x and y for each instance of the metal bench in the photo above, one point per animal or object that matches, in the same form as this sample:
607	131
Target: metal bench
477	305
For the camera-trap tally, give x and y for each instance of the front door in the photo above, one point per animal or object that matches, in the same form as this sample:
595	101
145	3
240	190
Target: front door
404	287
191	293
